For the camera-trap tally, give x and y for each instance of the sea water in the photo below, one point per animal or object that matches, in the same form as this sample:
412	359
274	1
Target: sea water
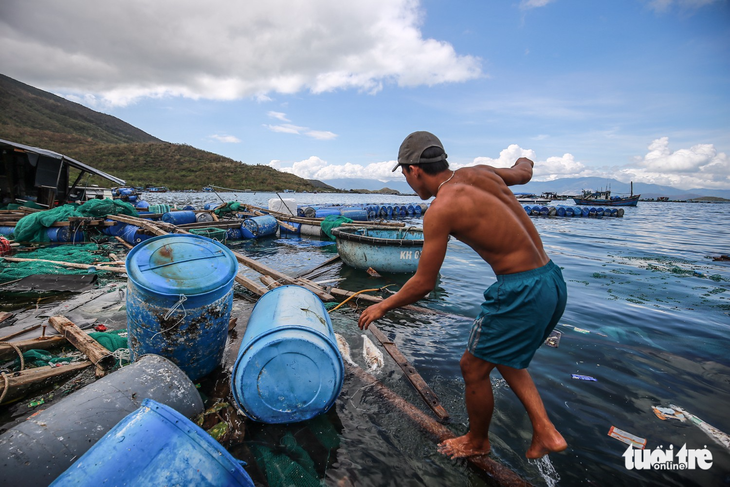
648	316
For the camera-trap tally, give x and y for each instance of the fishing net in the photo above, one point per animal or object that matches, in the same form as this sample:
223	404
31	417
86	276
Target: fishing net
80	254
287	464
212	233
230	207
33	228
333	221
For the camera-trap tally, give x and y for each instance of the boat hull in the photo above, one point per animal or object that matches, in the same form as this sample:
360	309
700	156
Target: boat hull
630	201
386	250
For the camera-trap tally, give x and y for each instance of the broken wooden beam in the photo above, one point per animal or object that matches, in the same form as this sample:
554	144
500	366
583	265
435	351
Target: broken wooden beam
7	352
73	265
497	472
25	381
99	355
411	374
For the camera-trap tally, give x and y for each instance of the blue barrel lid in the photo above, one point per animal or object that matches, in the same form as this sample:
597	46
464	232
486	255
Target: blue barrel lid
181	264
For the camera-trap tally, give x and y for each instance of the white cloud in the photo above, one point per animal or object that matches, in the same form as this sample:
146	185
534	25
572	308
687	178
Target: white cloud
222	49
286	128
279	116
228	139
528	4
700	166
665	5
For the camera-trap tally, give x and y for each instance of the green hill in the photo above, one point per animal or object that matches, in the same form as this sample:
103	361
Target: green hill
37	118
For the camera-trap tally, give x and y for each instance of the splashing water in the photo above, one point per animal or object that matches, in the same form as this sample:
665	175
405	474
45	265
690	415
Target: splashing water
547	470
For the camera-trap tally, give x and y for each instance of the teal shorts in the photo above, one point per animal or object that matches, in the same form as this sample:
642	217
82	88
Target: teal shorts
518	314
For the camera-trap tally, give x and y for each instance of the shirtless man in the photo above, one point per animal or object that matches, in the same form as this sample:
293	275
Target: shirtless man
520	310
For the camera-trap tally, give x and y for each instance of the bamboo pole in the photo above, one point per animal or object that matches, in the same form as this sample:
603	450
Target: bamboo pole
73	265
502	475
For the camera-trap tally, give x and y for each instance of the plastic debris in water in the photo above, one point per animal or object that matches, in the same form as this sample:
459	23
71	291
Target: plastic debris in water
554	339
344	348
373	356
667	413
627	437
583	377
36	403
714	433
373	272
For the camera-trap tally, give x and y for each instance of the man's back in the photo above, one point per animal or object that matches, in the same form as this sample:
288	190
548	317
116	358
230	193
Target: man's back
478	208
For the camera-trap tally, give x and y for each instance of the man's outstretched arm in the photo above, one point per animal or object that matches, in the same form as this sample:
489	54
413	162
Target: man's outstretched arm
519	173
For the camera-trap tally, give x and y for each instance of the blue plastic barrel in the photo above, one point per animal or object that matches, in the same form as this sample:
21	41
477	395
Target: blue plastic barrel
7	231
64	234
132	198
410	210
569	211
115	229
179	217
289	368
142	205
156	445
211	206
325	212
259	226
39	449
133	234
234	234
600	211
357	214
560	211
286	231
417	210
179	300
585	211
592	211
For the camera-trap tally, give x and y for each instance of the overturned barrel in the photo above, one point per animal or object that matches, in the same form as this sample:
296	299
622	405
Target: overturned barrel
179	300
156	445
179	217
289	368
259	226
39	449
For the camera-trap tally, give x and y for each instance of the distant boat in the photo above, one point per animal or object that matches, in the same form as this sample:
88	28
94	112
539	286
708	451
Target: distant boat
604	198
532	199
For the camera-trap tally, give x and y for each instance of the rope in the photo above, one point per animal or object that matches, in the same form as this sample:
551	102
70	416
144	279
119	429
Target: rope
177	305
5	377
360	292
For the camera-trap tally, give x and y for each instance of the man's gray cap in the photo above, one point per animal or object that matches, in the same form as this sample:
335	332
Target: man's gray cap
413	146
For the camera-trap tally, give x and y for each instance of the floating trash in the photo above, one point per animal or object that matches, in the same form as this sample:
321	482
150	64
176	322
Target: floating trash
626	437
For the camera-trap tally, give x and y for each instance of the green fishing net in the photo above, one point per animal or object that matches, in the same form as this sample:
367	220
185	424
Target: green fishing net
33	227
333	221
90	253
213	233
288	464
229	207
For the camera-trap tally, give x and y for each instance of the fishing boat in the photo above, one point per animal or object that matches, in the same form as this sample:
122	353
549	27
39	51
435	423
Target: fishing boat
385	249
532	199
604	198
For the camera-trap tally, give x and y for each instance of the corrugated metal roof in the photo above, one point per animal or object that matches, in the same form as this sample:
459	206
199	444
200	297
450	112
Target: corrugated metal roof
68	160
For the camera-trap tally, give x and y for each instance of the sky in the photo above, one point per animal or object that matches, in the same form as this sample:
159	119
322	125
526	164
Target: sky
634	90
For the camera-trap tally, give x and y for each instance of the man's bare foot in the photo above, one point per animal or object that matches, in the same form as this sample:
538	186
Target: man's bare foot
549	442
463	447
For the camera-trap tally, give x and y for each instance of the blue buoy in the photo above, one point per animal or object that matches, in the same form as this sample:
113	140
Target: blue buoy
133	234
357	214
179	300
156	445
289	368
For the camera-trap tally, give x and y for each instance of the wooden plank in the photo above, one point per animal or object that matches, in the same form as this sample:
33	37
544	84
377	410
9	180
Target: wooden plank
251	285
99	355
281	277
269	282
25	381
7	352
411	374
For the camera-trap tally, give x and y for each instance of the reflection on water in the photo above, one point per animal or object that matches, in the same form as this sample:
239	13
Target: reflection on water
647	316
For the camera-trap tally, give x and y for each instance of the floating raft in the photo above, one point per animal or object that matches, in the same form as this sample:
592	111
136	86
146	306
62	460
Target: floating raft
366	212
573	211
